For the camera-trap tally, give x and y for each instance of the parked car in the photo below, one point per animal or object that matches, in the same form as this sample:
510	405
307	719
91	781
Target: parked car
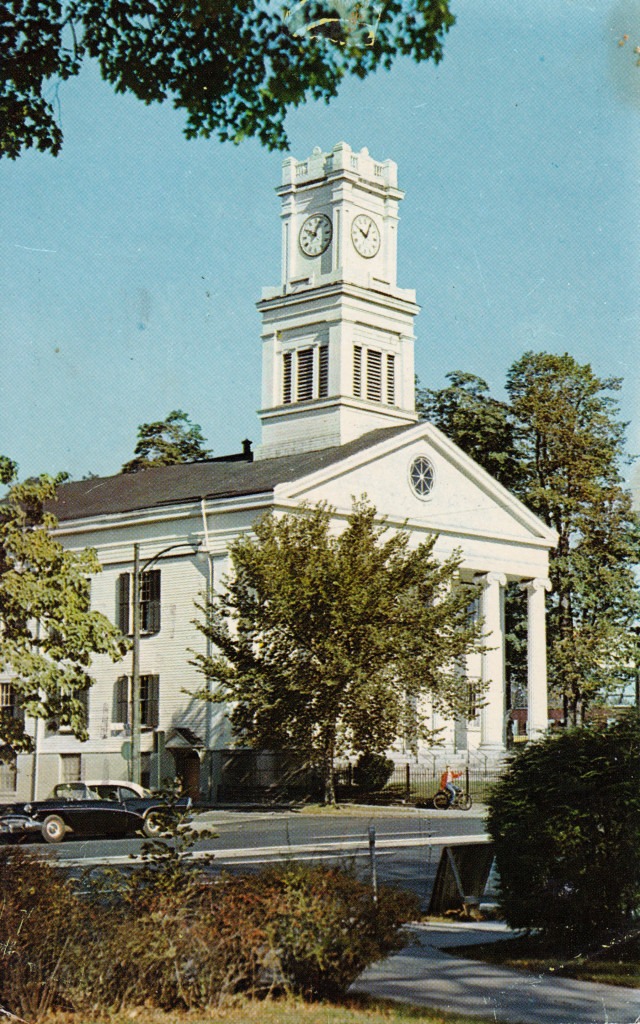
58	817
152	807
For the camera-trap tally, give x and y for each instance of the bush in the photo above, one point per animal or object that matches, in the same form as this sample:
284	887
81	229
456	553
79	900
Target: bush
41	929
168	936
325	927
565	819
372	772
311	930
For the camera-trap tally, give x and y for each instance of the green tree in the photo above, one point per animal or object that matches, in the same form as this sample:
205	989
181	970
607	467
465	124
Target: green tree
558	444
571	447
167	442
565	820
330	642
48	632
479	424
234	66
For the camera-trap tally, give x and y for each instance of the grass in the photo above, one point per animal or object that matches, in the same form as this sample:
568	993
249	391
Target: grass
356	1010
611	965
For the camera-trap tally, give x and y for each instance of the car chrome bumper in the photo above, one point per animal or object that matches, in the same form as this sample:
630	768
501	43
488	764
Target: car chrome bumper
18	824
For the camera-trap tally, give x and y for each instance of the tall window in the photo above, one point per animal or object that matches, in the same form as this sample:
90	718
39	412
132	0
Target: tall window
286	377
70	767
149	696
149	601
391	380
9	707
374	375
357	371
323	374
305	374
8	775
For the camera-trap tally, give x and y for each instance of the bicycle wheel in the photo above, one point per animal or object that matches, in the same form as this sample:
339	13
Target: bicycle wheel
464	802
441	801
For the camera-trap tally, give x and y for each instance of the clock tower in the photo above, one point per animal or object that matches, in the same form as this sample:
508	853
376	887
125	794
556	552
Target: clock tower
337	332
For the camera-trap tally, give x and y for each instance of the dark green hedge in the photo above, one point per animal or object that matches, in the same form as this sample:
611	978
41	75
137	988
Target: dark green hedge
565	819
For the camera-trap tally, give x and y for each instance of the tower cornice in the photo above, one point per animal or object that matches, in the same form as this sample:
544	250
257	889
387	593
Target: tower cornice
401	299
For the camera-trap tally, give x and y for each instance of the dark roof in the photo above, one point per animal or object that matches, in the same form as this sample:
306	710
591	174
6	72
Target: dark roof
190	481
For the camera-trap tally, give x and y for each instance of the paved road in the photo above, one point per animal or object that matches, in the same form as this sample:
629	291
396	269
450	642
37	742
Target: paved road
412	867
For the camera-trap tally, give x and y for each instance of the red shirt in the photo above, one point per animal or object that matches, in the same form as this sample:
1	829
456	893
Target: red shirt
449	776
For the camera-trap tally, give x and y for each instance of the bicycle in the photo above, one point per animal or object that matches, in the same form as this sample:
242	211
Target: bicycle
461	801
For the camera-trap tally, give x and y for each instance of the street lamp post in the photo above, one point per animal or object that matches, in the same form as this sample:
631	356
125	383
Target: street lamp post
138	571
135	670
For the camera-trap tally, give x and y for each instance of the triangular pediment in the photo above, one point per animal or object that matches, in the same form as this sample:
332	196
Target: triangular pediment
464	500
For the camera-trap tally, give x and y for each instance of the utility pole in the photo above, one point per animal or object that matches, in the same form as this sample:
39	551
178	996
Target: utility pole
135	670
135	655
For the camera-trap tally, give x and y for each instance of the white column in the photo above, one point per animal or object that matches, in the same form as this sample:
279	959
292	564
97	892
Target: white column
537	715
492	714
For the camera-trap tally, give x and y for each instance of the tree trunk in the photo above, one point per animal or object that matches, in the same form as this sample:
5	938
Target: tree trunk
329	781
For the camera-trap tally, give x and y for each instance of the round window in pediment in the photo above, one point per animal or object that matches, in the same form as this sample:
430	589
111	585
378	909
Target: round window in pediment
422	476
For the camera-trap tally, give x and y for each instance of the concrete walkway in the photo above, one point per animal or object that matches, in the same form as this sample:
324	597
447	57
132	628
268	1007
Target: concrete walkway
426	975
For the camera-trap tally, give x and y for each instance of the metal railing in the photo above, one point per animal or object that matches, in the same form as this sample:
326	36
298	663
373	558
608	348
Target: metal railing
243	781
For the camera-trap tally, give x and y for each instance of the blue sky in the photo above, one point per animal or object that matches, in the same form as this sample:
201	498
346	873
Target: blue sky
131	263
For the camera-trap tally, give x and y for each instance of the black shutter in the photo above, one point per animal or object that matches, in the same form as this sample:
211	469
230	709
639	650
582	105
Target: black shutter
123	584
121	700
153	695
323	373
152	624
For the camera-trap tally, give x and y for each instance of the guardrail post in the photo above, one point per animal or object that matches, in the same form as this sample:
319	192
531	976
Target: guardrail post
372	862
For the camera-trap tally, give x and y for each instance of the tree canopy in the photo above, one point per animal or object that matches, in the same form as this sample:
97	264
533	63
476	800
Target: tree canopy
233	66
563	451
330	641
48	632
167	442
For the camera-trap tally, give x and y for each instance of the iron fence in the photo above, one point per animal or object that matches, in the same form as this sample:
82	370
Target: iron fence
243	780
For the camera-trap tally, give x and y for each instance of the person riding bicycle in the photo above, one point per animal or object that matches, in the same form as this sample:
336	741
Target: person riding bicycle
446	782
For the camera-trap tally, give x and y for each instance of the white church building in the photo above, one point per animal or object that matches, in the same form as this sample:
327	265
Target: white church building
338	420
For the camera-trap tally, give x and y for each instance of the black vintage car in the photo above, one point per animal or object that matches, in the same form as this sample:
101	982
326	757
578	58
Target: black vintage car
59	817
155	808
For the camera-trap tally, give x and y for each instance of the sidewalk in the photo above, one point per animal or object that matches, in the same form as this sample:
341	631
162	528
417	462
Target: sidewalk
426	975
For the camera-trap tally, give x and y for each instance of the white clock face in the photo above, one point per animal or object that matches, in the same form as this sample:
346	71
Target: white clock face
315	234
365	236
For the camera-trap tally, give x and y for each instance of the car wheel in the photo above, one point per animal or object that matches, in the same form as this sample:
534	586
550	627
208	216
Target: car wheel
53	829
154	825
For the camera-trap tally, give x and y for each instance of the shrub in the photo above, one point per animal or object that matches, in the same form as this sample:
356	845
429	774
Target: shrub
169	936
372	771
175	952
41	928
565	819
327	927
309	929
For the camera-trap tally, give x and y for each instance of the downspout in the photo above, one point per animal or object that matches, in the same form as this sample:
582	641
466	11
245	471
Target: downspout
36	737
208	738
34	770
